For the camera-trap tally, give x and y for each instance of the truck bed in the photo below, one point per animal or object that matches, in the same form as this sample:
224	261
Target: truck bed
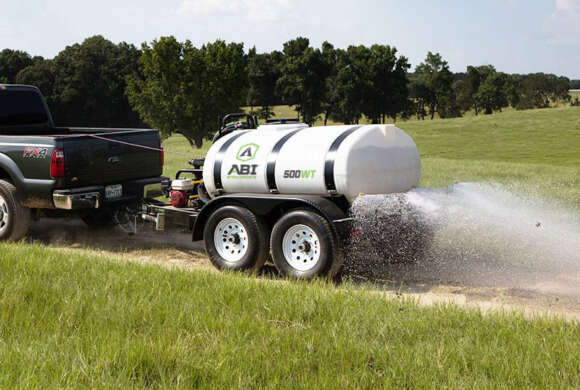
108	156
92	156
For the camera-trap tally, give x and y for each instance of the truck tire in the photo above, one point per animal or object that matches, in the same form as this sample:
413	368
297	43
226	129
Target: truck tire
14	218
304	246
236	239
99	219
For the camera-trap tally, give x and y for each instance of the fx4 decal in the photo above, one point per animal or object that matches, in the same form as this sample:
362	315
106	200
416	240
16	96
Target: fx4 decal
30	152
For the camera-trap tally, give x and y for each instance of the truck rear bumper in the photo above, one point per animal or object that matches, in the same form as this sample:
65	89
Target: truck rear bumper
73	201
94	197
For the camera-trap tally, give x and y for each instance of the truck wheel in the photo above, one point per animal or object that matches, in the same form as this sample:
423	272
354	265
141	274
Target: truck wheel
14	218
304	246
236	239
99	219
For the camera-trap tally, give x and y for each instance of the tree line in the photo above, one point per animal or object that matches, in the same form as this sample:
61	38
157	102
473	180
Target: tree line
179	88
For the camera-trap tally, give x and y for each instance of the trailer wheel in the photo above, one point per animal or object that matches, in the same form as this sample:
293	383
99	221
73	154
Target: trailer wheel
304	246
236	239
14	218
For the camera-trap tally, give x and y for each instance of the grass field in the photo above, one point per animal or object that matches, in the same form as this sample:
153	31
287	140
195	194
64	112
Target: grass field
81	321
70	319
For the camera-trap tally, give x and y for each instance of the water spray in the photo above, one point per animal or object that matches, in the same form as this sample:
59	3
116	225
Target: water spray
477	234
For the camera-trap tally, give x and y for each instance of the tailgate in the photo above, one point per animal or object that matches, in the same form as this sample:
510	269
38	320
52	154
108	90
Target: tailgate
111	157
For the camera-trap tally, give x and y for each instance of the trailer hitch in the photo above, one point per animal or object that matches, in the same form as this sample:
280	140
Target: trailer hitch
157	218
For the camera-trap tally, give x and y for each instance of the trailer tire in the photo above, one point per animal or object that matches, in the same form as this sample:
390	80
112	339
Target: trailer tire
236	239
304	246
14	218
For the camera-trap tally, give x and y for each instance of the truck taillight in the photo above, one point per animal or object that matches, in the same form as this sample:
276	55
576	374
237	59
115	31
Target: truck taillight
57	164
161	156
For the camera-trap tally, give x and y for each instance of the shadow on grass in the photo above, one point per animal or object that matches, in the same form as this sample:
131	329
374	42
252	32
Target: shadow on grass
73	233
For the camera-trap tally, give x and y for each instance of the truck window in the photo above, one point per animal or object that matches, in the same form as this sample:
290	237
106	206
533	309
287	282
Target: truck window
21	108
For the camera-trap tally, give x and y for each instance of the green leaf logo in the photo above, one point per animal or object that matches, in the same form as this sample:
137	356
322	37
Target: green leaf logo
247	152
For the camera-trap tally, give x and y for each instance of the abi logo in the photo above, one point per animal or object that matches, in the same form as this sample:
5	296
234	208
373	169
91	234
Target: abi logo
247	152
246	170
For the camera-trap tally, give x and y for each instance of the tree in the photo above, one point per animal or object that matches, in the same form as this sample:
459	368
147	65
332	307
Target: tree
351	88
512	89
187	90
89	84
467	88
537	90
12	62
435	80
40	75
263	74
559	88
531	92
352	84
419	94
331	58
388	87
370	81
491	94
303	78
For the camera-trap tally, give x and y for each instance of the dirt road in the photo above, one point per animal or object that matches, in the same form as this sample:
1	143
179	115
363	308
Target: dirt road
483	284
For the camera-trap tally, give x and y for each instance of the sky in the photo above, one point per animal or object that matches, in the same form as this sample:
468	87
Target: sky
516	36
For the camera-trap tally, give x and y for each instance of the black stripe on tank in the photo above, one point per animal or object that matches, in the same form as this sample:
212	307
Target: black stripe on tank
272	157
330	158
217	165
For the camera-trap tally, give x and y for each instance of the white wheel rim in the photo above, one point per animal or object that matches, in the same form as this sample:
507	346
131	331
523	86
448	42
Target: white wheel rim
301	247
4	215
230	239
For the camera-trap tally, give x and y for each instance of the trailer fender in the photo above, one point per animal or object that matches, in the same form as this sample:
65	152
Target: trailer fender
266	205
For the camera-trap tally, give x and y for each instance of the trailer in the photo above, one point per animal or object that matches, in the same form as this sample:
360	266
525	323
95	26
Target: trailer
282	191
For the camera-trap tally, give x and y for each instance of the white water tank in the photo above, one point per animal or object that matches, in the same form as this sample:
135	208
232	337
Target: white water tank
297	159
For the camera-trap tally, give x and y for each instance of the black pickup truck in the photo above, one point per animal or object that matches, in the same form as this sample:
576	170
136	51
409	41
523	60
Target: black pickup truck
55	171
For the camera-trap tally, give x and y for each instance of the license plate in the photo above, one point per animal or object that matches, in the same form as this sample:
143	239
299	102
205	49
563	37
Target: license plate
114	191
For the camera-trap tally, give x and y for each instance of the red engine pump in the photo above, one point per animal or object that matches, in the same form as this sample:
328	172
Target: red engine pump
178	198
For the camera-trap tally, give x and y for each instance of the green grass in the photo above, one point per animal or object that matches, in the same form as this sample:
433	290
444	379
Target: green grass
178	152
551	182
536	151
77	320
546	136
